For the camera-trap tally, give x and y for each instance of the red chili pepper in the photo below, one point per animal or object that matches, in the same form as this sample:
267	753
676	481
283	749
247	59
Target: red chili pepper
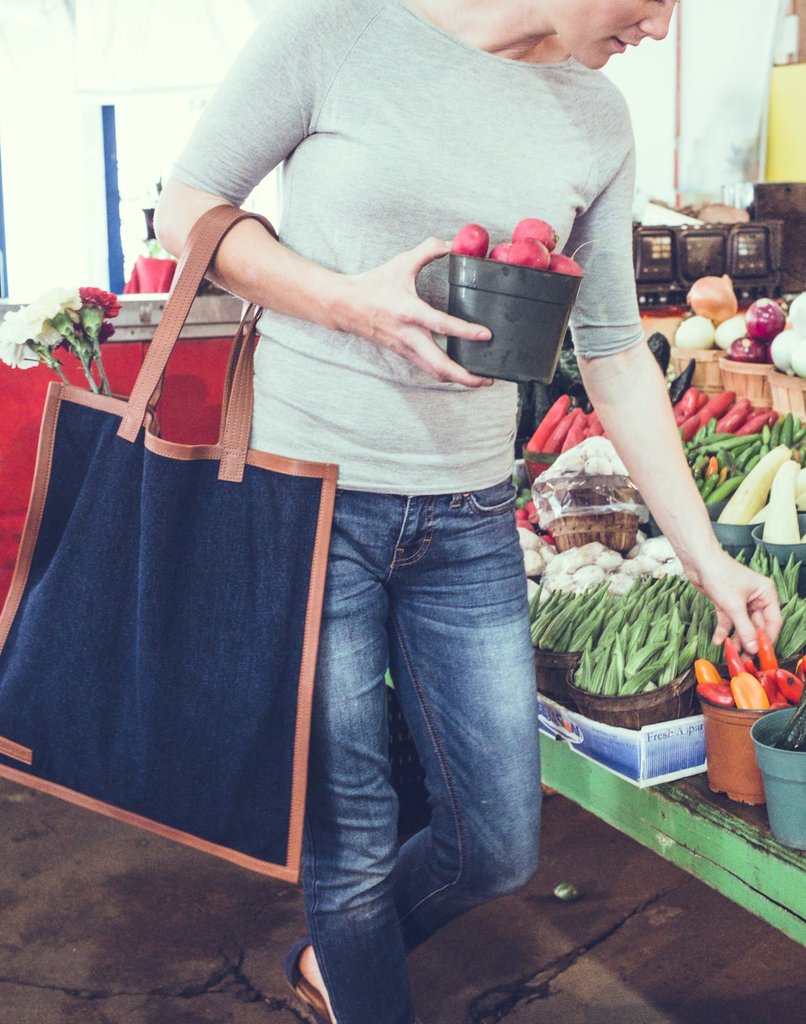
735	417
717	693
595	428
752	425
688	403
690	427
577	432
713	467
716	406
548	423
750	666
789	685
770	685
554	441
766	654
734	662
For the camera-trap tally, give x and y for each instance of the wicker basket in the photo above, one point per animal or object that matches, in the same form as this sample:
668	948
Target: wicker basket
554	670
748	380
788	393
673	700
616	530
707	376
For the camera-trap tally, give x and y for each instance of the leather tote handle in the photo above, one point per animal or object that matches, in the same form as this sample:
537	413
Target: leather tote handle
236	407
202	244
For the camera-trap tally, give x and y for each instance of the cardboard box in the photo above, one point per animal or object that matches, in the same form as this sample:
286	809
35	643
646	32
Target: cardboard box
647	756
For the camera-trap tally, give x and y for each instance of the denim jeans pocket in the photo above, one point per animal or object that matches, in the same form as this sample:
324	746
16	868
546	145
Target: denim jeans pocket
492	501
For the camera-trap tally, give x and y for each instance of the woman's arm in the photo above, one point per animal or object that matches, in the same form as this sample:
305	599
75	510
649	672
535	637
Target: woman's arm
629	394
380	305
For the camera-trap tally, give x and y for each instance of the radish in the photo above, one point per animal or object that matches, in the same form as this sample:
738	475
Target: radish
528	252
560	264
500	252
531	227
471	240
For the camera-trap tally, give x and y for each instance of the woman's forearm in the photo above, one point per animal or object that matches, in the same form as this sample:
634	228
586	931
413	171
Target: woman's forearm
630	396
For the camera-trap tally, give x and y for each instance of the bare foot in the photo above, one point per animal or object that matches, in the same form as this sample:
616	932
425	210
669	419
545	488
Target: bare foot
309	969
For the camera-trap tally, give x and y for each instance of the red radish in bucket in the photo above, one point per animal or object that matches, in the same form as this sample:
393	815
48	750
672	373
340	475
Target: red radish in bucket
500	252
560	264
528	252
531	227
471	240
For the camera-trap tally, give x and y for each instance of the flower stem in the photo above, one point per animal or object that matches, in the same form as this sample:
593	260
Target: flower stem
104	382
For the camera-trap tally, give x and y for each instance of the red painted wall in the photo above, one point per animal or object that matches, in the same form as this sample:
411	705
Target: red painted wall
188	412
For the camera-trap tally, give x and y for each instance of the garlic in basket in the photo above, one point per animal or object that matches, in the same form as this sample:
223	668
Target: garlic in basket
595	456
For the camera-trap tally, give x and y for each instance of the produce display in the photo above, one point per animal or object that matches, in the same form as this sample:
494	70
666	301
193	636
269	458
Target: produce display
632	643
752	684
532	244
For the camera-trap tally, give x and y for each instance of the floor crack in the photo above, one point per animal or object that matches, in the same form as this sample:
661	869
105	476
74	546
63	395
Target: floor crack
498	1002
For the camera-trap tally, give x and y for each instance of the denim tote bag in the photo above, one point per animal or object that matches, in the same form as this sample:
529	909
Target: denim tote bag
158	642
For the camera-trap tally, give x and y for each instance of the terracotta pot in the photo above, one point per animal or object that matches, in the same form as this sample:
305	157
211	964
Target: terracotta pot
731	760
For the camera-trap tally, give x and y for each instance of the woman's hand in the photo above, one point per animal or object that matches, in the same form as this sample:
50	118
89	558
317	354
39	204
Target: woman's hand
744	601
382	305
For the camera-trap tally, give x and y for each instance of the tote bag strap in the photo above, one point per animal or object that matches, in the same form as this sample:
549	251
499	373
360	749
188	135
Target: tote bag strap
202	244
236	407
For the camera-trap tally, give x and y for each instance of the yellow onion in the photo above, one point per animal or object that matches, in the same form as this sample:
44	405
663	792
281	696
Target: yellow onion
713	297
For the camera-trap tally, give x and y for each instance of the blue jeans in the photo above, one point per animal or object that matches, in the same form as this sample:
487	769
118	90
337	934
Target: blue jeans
434	588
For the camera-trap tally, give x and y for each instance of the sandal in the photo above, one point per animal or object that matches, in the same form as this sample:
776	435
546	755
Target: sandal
302	988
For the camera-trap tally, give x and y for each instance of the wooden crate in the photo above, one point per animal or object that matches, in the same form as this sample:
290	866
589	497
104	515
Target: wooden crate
707	375
748	380
788	393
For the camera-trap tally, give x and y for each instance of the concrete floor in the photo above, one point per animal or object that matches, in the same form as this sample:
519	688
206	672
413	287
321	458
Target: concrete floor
103	924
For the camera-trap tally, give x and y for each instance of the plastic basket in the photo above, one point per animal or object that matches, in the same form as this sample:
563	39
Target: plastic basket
707	375
616	530
788	393
748	380
673	700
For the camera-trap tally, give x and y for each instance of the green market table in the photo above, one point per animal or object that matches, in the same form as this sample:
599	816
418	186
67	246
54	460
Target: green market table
725	844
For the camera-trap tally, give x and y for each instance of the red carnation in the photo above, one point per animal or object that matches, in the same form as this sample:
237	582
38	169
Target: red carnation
104	300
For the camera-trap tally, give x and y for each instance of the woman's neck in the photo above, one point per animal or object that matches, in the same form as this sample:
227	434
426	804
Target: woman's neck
513	29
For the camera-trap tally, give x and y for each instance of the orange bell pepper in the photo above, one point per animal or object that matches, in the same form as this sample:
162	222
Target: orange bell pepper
706	672
748	693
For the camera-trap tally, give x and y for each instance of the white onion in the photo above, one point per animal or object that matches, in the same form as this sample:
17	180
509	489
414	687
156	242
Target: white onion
729	330
797	314
695	332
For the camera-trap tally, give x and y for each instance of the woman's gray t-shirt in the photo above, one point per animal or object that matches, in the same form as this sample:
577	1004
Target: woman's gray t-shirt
391	131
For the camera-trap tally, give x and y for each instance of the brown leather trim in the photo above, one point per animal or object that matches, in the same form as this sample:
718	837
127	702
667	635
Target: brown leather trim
82	396
282	871
16	750
36	507
307	674
263	460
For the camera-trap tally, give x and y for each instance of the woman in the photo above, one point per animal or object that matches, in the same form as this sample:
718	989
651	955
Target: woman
396	120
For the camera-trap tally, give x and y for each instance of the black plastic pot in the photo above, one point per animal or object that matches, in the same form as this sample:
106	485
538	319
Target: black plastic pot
527	311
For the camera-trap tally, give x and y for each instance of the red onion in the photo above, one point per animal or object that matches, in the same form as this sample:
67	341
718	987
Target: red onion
748	350
765	319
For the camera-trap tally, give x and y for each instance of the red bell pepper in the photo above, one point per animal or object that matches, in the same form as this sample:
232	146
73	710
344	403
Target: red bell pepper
766	654
717	693
750	666
732	658
548	423
789	685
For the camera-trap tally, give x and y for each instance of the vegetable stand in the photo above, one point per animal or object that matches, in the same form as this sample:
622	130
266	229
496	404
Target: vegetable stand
724	844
